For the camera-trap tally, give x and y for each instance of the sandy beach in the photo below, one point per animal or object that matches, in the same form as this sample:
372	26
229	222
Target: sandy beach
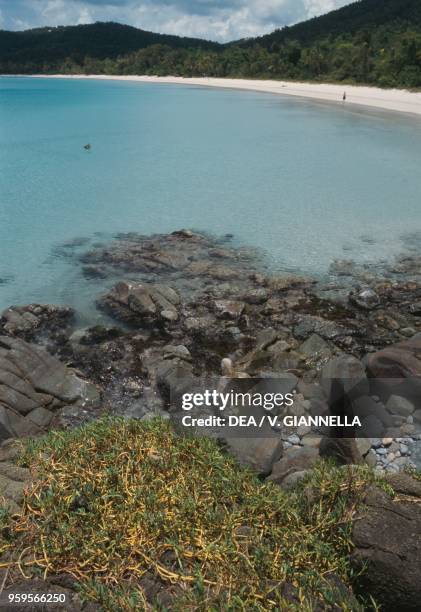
398	100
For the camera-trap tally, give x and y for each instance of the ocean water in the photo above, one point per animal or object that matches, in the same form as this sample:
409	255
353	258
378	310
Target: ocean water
305	182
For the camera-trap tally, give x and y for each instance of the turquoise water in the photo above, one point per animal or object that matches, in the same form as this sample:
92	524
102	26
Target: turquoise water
306	182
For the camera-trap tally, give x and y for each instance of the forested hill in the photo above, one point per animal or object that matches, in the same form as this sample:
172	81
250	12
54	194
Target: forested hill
375	42
99	40
361	16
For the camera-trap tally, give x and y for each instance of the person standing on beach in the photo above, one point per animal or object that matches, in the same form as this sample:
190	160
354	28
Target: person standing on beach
344	97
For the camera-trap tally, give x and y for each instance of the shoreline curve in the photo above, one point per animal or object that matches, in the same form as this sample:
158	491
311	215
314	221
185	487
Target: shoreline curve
395	100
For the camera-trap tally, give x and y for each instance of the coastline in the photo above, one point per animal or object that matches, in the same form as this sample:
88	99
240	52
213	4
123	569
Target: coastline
395	100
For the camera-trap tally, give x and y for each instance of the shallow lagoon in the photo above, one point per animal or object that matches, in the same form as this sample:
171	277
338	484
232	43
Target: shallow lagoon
307	183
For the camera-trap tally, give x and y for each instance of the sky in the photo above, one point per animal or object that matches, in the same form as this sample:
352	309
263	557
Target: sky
221	20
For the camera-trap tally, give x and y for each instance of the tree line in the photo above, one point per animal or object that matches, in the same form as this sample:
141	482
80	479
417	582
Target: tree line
385	52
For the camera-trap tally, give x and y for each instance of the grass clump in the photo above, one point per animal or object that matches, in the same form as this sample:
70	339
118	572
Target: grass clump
117	503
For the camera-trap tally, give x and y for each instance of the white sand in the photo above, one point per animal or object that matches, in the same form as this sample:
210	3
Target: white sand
399	100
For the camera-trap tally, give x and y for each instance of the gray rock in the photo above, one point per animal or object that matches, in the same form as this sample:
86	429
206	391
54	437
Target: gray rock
310	390
141	303
279	348
265	338
363	445
415	308
400	406
24	321
365	407
345	450
350	372
256	296
314	346
229	309
179	351
329	330
294	460
408	332
6	430
403	483
292	479
312	441
366	298
33	381
387	547
417	415
392	468
257	453
41	417
371	458
398	365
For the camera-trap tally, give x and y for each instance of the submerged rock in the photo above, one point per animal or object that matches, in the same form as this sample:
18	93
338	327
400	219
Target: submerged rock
27	321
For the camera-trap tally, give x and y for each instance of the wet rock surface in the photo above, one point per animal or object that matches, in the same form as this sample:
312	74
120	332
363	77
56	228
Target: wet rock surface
42	323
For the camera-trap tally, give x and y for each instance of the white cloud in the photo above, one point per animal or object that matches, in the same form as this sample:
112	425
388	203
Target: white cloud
216	19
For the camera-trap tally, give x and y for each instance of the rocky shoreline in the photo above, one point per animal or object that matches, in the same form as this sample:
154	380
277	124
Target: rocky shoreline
188	306
187	309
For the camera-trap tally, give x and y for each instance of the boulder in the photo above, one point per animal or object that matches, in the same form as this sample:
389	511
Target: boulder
256	296
400	406
13	480
32	384
397	362
366	298
315	348
265	338
142	303
386	536
259	453
344	450
329	330
415	309
25	321
295	460
349	372
229	309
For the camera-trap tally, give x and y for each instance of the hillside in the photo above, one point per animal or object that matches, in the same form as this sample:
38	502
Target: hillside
369	42
51	46
363	15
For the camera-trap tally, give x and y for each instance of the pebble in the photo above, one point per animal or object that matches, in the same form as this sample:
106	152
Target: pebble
408	332
404	449
387	441
393	447
294	439
392	467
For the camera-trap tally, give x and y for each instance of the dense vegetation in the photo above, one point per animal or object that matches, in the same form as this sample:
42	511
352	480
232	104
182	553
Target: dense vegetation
370	41
116	504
